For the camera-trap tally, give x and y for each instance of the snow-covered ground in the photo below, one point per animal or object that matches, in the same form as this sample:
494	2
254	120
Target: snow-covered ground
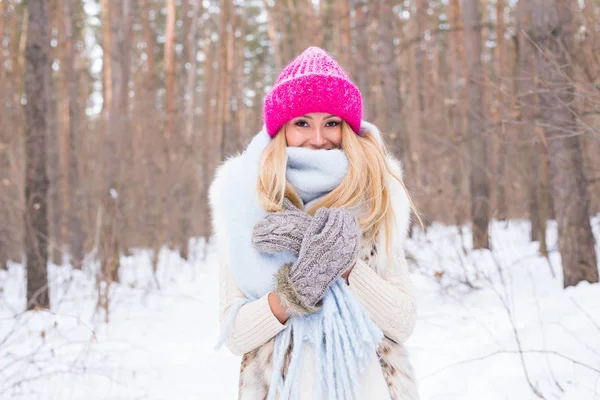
490	324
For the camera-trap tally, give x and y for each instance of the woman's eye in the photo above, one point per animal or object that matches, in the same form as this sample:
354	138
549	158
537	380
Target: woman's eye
333	123
301	123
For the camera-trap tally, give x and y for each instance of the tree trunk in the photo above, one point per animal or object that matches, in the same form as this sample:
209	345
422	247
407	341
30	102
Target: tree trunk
75	238
478	141
170	68
125	33
195	181
552	30
242	123
151	158
230	141
149	34
226	137
191	73
390	80
112	40
500	113
361	65
544	201
147	100
209	147
5	228
328	22
59	127
531	151
344	41
186	25
37	75
272	33
55	140
418	92
457	109
2	67
294	42
312	30
12	157
589	49
106	65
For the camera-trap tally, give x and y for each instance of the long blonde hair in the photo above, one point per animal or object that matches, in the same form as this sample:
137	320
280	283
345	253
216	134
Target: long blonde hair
363	186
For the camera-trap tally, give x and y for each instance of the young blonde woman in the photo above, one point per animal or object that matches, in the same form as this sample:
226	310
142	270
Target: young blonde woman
310	221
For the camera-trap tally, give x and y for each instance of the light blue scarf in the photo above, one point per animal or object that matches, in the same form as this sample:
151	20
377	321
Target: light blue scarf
342	335
314	173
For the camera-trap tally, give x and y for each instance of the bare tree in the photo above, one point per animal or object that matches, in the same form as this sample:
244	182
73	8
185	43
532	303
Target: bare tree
589	45
293	15
114	77
75	232
145	11
500	111
170	68
55	142
390	78
272	32
312	29
106	64
192	45
12	155
360	63
457	107
226	136
5	228
344	41
417	77
37	76
532	158
478	141
552	30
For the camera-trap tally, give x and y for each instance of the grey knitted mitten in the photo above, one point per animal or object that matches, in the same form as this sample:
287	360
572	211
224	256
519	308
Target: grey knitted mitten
281	231
330	246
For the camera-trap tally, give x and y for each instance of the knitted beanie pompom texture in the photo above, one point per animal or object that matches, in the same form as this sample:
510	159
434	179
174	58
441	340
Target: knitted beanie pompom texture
313	82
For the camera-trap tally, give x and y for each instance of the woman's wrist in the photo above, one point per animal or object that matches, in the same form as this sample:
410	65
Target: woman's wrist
276	308
346	274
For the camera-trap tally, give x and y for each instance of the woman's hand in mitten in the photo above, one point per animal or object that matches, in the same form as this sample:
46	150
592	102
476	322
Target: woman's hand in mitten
330	246
281	231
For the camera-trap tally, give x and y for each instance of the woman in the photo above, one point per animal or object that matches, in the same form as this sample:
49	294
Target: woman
310	221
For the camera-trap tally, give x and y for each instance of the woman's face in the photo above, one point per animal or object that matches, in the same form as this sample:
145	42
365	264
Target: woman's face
315	131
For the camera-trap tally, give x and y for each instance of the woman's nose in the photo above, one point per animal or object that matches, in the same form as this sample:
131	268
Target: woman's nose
318	138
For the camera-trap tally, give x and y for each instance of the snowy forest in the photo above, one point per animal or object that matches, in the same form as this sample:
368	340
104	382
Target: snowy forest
114	115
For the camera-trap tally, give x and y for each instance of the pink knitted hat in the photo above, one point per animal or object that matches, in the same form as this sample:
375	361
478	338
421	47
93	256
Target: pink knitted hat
313	82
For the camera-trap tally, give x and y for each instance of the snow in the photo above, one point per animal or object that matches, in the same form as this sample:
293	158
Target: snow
159	343
465	344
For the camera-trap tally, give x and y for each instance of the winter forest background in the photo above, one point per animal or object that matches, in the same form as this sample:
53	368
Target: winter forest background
115	113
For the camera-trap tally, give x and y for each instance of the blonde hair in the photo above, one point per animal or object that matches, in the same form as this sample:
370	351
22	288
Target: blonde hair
363	186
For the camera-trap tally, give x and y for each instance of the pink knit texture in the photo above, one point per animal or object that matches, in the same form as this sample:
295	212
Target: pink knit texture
313	82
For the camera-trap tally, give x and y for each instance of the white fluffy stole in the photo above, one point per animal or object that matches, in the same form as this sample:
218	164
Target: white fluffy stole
342	334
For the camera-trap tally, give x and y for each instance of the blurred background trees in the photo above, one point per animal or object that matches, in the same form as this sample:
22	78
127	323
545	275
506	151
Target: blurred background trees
493	107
